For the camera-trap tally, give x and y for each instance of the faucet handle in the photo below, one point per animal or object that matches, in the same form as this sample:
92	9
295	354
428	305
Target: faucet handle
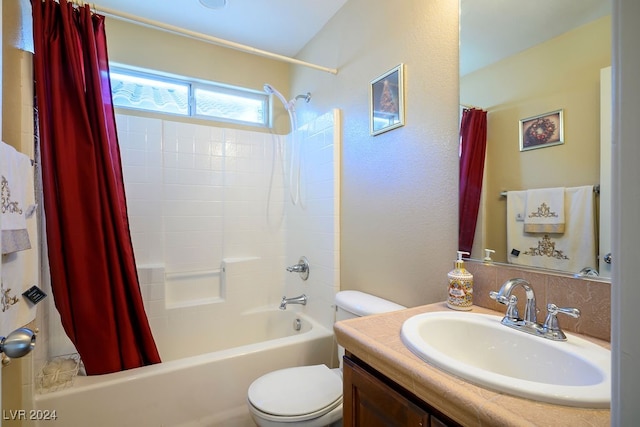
512	308
302	268
511	303
551	326
498	298
569	311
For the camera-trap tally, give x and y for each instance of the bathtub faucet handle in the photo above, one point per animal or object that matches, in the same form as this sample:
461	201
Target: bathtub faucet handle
302	268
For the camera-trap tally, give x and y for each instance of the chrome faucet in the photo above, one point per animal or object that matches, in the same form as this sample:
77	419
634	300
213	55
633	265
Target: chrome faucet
302	267
298	268
503	296
550	329
302	299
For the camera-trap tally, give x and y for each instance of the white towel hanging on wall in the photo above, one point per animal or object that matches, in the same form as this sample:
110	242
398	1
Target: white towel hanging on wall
20	263
15	170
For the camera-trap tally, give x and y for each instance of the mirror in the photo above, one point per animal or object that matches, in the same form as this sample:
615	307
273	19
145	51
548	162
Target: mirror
514	71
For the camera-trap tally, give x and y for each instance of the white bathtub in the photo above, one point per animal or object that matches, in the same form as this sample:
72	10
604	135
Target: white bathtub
205	390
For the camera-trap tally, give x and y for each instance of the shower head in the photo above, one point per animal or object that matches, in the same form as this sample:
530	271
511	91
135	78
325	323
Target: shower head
306	97
287	104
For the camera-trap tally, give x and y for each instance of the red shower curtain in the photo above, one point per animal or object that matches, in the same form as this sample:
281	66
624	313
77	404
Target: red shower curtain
93	272
473	142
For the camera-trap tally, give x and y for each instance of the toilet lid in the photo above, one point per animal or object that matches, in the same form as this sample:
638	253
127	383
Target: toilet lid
296	391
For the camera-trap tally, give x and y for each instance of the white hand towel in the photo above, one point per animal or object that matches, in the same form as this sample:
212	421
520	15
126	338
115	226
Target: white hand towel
19	269
15	172
545	210
571	251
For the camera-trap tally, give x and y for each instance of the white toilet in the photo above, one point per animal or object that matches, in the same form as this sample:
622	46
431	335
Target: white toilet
310	396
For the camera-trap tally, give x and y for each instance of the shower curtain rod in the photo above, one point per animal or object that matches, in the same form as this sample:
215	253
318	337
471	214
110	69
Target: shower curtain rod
210	39
471	107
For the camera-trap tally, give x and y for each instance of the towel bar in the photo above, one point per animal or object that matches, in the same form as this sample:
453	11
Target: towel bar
596	189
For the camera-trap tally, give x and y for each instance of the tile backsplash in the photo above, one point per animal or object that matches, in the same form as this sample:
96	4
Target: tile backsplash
591	295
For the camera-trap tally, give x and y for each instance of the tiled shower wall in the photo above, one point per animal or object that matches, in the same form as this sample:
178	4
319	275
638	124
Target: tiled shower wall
313	223
196	195
203	199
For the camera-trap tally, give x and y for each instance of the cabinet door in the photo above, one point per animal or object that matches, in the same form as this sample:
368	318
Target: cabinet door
435	422
369	402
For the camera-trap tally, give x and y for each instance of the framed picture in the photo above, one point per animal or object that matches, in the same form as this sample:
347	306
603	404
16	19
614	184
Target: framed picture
387	101
541	131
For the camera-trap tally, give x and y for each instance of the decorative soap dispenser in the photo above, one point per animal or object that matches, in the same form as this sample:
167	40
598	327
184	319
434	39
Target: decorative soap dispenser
460	295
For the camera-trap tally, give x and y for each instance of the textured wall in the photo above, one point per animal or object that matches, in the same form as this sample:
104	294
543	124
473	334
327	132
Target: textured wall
399	189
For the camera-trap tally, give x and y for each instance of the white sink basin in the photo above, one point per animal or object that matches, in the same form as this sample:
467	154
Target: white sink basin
478	348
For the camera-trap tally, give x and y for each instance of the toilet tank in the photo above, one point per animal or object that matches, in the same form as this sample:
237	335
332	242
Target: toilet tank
353	304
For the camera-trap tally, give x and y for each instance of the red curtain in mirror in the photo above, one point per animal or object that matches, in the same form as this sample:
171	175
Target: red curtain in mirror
473	143
93	273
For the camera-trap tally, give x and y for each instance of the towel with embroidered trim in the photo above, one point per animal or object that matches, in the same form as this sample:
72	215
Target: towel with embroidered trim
571	251
544	210
15	174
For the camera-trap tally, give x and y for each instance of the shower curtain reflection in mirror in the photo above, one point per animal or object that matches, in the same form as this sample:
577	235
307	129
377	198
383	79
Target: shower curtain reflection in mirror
473	142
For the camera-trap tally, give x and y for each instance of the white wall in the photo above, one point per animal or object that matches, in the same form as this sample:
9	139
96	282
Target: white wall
197	195
626	209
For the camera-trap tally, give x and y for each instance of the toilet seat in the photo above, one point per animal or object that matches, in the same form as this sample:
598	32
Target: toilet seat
296	394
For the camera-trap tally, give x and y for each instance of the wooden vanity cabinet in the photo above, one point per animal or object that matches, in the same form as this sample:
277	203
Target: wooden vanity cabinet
372	400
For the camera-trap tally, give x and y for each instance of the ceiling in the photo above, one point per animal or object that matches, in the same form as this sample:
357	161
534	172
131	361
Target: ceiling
490	29
278	26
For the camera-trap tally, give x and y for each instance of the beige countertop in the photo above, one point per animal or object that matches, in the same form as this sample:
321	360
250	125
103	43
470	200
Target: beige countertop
376	341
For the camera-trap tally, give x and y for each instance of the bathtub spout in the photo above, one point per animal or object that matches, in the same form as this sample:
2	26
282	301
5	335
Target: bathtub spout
302	299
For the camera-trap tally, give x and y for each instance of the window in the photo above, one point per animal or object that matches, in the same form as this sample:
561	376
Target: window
189	98
149	93
216	102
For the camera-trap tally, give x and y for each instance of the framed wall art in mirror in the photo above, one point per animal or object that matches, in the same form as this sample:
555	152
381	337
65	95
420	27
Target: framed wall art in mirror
544	130
387	101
